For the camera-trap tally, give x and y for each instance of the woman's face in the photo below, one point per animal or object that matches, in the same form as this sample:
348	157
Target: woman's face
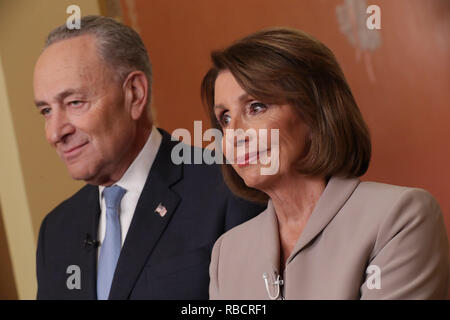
235	109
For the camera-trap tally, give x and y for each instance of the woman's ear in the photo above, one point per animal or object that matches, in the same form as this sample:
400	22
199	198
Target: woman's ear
135	88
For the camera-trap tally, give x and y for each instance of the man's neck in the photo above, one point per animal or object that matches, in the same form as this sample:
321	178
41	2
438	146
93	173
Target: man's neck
142	135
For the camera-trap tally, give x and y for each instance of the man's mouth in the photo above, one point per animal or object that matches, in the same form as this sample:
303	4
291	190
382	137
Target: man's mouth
72	152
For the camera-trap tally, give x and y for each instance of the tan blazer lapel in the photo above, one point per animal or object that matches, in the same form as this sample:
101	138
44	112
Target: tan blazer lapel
269	260
335	195
269	237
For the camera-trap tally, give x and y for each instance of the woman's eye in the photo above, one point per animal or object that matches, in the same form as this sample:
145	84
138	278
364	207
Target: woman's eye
224	119
257	107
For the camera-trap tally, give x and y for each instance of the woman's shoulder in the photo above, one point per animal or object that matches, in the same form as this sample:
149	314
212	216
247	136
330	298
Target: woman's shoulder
386	206
372	209
381	188
406	234
388	195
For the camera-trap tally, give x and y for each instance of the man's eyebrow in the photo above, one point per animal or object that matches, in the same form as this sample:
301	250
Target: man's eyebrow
64	94
39	103
59	97
242	98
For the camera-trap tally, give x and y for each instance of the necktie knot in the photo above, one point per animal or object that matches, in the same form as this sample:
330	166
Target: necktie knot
113	195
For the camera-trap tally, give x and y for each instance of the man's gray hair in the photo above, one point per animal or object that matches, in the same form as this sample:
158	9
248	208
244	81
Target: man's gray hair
119	45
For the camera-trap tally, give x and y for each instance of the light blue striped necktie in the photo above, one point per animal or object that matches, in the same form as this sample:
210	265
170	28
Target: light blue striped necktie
110	248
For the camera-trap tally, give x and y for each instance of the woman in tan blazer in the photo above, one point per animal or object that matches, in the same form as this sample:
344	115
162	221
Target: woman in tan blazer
325	234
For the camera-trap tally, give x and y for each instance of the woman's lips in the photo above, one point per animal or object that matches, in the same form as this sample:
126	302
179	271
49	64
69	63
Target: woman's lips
73	152
249	158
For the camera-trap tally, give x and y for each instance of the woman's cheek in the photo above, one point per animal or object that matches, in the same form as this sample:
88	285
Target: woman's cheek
226	146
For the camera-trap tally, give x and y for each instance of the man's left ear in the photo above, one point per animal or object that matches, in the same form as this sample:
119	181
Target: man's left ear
136	90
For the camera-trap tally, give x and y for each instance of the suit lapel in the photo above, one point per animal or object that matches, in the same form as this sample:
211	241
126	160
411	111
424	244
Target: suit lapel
88	225
269	237
335	195
147	225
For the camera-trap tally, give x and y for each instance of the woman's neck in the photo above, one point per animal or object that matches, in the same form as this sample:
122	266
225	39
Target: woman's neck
294	199
295	196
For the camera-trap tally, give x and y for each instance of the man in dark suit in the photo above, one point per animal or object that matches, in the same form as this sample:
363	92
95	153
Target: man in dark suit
143	227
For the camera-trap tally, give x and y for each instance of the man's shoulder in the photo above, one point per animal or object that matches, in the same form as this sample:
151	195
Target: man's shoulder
194	167
191	158
203	181
201	169
72	206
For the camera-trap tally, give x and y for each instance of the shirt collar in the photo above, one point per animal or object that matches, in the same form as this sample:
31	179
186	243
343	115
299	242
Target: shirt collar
136	175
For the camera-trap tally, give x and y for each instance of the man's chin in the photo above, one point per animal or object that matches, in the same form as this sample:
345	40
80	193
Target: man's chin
81	177
81	174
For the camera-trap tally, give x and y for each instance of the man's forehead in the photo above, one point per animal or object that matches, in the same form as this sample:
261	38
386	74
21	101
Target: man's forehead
74	51
66	63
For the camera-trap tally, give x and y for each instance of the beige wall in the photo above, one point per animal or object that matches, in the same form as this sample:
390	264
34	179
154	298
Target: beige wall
7	284
15	210
32	178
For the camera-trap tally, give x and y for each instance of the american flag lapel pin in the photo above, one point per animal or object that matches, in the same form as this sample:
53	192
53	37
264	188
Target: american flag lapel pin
161	210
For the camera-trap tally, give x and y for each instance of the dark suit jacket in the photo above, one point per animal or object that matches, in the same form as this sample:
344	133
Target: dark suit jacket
162	257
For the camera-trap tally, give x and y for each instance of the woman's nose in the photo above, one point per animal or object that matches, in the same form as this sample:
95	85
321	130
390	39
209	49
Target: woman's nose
235	132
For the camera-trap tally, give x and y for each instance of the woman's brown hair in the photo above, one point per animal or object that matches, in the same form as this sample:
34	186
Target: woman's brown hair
281	65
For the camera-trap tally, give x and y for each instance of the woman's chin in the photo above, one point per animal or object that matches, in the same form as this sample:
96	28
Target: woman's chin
254	179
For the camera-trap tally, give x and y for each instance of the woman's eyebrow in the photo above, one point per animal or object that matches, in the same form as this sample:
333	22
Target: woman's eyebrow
218	106
243	98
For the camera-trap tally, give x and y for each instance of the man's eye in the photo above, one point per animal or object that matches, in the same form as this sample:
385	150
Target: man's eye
75	103
257	107
45	111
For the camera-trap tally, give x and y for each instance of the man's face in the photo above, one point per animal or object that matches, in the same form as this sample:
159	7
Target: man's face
86	117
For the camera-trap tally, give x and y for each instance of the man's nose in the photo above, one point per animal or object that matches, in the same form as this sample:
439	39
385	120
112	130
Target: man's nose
58	127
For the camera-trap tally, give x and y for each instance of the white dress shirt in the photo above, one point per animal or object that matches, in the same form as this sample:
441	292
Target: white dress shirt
133	181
